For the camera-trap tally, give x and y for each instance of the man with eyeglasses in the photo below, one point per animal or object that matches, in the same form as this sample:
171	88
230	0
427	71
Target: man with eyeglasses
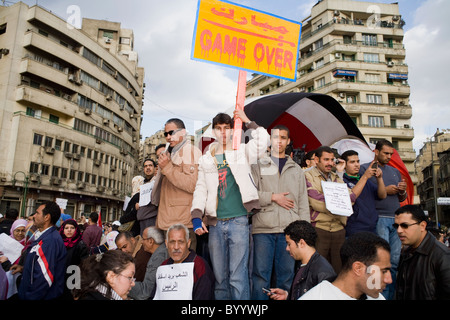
424	268
176	179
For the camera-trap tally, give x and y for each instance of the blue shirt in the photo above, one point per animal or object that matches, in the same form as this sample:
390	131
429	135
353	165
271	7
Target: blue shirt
391	176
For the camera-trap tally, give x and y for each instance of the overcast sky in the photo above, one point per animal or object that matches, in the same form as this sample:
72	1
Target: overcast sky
194	91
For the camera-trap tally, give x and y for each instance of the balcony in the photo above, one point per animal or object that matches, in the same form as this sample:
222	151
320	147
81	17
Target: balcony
46	99
400	112
396	133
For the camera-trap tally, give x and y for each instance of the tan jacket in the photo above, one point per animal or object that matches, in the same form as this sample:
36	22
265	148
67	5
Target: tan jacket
174	187
321	217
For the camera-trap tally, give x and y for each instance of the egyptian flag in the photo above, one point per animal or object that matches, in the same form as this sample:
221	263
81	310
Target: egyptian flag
313	119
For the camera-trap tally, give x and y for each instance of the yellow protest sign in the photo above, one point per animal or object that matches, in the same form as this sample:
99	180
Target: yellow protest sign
244	38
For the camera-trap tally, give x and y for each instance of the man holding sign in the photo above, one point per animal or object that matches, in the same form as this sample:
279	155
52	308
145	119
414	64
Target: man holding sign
329	225
185	275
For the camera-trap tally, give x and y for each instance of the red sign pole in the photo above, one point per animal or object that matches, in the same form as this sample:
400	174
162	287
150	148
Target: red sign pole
240	100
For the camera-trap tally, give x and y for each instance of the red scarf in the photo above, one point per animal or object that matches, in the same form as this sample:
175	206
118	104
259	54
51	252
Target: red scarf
70	242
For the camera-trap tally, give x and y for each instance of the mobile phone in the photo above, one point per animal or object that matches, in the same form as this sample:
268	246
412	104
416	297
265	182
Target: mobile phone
375	165
267	291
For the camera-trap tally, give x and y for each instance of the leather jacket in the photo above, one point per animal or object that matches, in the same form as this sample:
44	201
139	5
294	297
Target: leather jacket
424	273
315	271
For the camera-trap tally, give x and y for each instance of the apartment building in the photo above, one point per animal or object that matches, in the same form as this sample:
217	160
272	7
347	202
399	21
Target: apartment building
70	112
354	52
432	168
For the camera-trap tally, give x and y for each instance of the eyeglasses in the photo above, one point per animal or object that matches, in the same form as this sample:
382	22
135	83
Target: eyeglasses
131	279
403	225
171	132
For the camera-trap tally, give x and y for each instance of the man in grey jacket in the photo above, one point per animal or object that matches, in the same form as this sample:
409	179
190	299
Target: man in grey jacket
153	242
283	198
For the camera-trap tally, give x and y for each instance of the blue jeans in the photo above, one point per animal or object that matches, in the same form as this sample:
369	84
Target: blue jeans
386	231
229	252
270	251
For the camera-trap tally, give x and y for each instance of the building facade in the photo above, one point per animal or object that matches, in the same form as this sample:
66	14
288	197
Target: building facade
70	112
353	51
432	168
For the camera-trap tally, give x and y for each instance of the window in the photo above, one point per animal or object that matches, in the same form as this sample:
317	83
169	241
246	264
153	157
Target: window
372	78
319	63
108	34
37	140
58	144
371	57
54	119
374	98
318	44
55	171
66	146
45	169
125	40
3	28
369	39
34	167
48	141
375	121
64	173
75	148
321	82
92	57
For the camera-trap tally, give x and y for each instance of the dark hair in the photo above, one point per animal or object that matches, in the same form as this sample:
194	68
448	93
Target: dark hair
149	159
347	154
416	211
301	229
362	247
124	234
11	214
383	142
94	269
323	149
308	156
179	123
282	127
94	217
159	146
52	208
222	118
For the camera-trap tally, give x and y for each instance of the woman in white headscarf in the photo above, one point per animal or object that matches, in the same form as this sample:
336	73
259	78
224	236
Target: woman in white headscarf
129	216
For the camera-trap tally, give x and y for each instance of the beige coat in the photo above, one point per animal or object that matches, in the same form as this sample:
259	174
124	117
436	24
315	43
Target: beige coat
174	187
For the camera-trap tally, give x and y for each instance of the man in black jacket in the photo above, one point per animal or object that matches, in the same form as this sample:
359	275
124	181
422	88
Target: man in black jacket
301	239
424	268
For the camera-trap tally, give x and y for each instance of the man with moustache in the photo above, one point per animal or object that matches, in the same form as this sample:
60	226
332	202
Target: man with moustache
201	286
176	179
146	214
329	226
424	268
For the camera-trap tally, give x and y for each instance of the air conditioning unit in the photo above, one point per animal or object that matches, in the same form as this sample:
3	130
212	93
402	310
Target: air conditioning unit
81	185
49	150
97	162
124	171
122	106
87	111
131	115
109	97
341	95
115	192
100	188
72	77
120	129
34	178
68	155
406	126
337	55
123	151
105	121
390	64
107	40
76	156
55	181
78	82
113	167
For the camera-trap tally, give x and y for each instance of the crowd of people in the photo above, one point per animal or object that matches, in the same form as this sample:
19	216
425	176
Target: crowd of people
246	223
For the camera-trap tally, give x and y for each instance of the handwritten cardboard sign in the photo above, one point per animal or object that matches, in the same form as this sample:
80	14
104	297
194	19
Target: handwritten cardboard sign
337	198
145	193
175	281
244	38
